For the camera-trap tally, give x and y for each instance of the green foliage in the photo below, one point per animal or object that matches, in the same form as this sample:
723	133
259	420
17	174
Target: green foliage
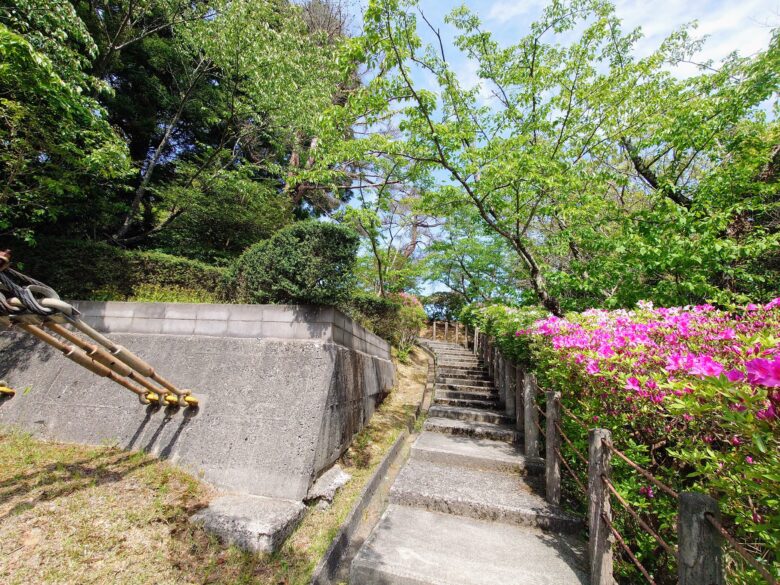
378	314
398	318
57	151
443	306
94	271
411	319
606	178
502	324
307	262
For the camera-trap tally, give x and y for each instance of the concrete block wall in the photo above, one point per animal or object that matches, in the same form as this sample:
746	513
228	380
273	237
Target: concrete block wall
283	389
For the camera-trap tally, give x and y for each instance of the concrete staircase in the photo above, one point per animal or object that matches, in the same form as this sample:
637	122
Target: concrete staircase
468	507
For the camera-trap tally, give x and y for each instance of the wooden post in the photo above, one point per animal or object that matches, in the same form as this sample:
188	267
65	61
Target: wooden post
500	378
434	330
519	386
466	335
600	536
511	389
456	331
476	341
530	416
446	331
700	557
552	472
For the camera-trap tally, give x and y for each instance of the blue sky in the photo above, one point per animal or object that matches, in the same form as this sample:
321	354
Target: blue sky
743	25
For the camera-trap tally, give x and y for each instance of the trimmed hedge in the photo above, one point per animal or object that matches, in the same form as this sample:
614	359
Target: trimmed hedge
86	270
306	262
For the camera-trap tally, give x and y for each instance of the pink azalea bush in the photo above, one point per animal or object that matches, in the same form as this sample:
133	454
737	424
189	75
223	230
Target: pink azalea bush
692	394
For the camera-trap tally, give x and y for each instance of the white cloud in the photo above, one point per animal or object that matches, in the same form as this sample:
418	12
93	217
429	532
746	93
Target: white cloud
504	11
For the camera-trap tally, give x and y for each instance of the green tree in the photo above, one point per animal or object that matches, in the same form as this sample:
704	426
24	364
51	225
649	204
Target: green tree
307	262
608	177
58	153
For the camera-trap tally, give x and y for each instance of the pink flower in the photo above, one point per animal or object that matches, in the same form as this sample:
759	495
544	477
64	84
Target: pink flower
593	367
632	384
735	376
772	304
647	491
704	366
735	440
749	460
606	351
768	414
763	372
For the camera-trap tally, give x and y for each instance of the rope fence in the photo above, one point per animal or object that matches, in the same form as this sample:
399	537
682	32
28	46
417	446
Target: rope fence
698	530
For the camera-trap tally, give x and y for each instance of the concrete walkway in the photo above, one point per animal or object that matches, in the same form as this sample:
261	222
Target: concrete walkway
467	509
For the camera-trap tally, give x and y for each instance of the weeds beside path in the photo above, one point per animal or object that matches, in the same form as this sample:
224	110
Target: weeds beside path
93	515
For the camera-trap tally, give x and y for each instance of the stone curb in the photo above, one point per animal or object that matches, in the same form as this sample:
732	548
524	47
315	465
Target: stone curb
329	563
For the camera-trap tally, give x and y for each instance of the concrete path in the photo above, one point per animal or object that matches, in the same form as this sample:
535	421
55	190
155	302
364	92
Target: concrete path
468	507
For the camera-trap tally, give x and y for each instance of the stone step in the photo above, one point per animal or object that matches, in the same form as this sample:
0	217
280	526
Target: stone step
465	365
464	382
463	388
490	495
475	373
468	403
465	394
472	429
474	453
461	372
469	414
411	546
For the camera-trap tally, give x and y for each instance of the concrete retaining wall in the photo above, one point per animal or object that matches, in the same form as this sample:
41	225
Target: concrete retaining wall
282	389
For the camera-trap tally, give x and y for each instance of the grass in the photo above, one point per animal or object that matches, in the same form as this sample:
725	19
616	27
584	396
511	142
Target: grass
94	515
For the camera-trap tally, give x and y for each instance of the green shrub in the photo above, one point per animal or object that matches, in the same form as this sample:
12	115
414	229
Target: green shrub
502	323
397	318
307	262
443	305
378	314
411	319
81	269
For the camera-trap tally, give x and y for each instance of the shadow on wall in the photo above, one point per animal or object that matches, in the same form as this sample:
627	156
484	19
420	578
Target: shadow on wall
184	417
18	352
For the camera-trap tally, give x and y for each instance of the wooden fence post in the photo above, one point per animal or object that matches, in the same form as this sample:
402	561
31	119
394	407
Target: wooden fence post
530	416
446	331
434	330
511	389
456	331
700	557
476	341
552	472
466	335
600	538
519	386
500	385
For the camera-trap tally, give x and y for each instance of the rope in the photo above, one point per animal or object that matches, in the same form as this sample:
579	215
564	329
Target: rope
571	472
627	550
645	473
740	549
580	456
572	415
667	547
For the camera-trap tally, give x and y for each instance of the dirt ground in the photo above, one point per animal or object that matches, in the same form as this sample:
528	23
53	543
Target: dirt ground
71	514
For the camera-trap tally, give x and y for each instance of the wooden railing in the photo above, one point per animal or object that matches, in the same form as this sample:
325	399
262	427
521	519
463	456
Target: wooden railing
700	534
450	331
